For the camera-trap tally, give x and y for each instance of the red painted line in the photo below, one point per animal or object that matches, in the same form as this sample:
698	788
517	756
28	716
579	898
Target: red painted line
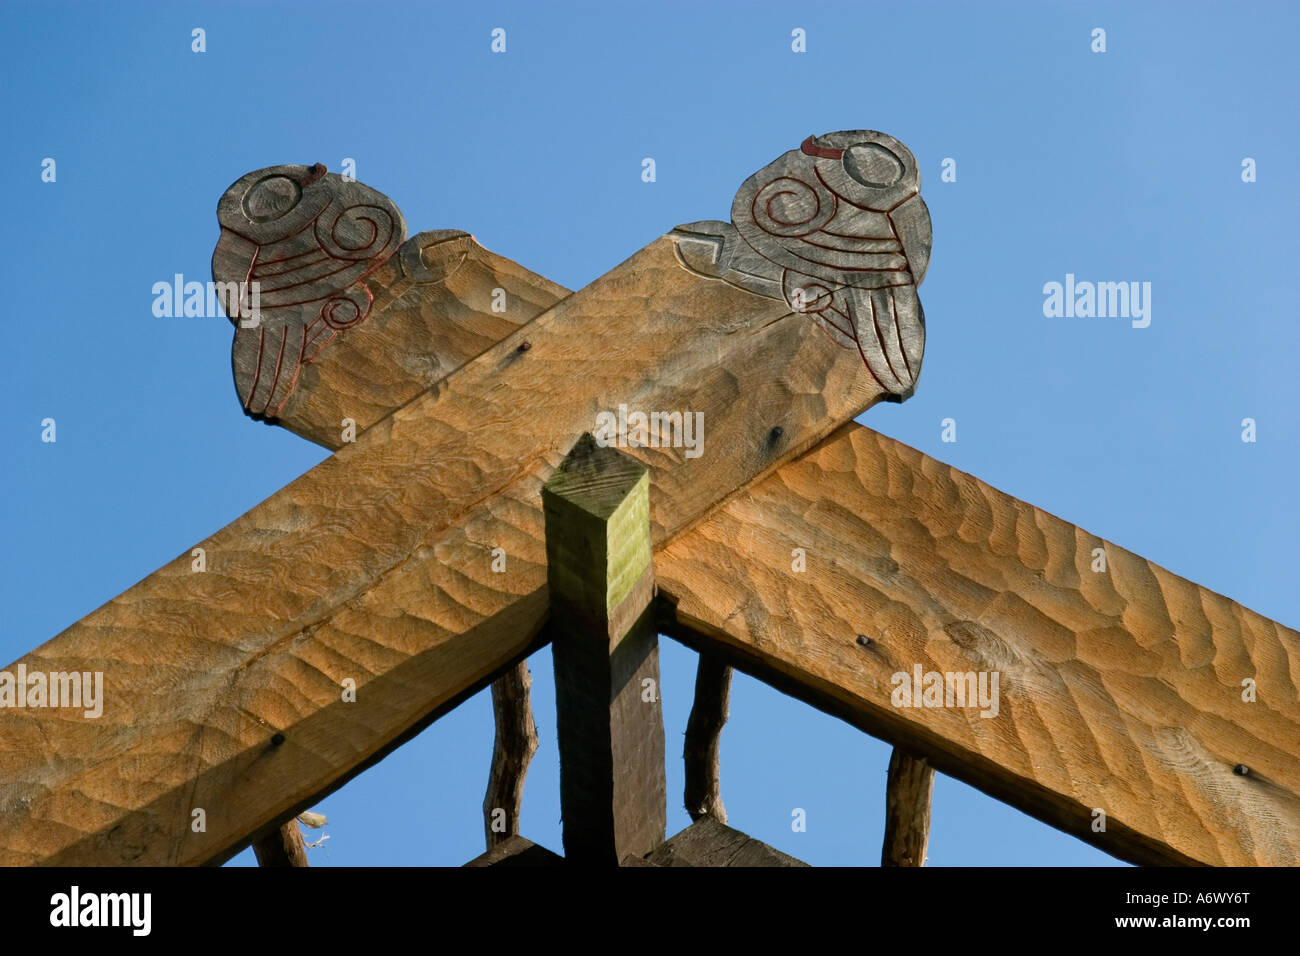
810	147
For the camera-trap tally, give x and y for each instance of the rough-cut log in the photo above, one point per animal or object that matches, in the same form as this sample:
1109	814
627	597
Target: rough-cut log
710	842
907	810
703	790
608	716
1124	691
231	690
512	752
281	847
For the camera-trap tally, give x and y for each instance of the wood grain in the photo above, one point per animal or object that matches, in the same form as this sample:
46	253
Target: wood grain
282	847
296	245
439	301
224	690
435	308
710	842
350	321
517	851
908	790
613	794
700	751
1119	691
512	752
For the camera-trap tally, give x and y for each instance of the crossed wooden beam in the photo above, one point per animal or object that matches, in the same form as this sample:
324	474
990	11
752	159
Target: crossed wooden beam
417	565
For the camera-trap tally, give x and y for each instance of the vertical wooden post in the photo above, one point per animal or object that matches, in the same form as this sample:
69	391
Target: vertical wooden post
609	720
283	846
704	736
907	810
516	742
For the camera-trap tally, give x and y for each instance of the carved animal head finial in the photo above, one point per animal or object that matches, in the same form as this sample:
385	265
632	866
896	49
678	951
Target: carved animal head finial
298	242
837	228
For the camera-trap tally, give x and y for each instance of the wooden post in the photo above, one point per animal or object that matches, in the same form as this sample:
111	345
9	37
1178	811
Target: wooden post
613	792
704	736
283	846
907	810
516	742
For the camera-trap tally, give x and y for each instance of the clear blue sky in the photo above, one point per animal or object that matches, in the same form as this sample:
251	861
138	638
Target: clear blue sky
1122	166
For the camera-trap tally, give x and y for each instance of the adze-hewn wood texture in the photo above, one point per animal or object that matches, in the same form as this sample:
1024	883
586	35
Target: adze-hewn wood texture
228	690
438	301
1120	691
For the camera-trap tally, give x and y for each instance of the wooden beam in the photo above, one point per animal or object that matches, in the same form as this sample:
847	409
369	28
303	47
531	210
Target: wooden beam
907	810
512	752
517	851
282	847
379	349
609	720
341	615
438	301
1127	695
703	791
363	322
709	842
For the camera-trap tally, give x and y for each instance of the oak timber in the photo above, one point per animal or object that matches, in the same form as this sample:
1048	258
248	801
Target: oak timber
224	688
296	246
517	851
440	300
40	808
709	842
326	330
609	720
1120	691
432	313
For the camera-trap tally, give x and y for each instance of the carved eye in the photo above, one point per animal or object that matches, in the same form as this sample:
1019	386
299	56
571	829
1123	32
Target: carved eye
872	165
271	198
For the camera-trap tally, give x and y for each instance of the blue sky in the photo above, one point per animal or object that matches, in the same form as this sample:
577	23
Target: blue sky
1122	166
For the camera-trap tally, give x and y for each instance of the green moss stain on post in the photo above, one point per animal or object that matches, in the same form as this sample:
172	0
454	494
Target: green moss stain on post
609	719
597	507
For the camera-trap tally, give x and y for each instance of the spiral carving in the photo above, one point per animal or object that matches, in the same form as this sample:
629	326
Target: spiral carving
790	207
357	232
346	309
307	239
837	229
